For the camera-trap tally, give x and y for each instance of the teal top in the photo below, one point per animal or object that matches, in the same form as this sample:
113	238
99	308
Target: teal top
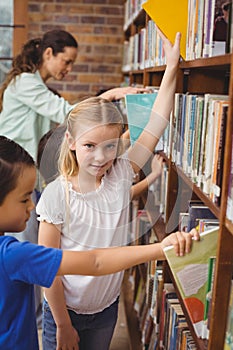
28	109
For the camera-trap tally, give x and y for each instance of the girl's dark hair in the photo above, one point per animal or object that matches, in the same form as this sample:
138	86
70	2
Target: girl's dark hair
13	159
30	57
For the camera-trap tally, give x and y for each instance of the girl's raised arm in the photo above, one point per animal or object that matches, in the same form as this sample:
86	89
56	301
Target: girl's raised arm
159	119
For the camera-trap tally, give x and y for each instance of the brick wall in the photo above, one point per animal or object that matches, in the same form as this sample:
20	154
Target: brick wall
97	25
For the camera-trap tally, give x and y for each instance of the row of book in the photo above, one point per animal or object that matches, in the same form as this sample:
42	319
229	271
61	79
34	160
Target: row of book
144	49
162	322
199	127
195	137
132	9
161	319
197	23
203	40
193	273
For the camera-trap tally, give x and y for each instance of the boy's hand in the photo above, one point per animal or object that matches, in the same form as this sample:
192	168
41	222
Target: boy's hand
181	241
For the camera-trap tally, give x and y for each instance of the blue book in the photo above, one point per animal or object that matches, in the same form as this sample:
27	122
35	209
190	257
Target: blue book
196	212
182	130
138	108
191	136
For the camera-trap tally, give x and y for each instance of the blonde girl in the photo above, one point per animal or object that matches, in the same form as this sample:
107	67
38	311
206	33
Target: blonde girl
87	207
24	264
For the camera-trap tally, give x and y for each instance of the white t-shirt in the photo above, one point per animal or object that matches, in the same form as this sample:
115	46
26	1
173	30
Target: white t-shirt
92	220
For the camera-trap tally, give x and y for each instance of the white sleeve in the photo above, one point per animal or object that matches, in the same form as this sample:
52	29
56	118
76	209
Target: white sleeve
51	205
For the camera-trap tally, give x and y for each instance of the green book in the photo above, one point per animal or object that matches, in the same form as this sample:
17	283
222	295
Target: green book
138	109
191	275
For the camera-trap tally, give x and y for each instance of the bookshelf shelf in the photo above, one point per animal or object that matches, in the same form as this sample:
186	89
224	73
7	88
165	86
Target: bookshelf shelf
212	75
200	194
217	62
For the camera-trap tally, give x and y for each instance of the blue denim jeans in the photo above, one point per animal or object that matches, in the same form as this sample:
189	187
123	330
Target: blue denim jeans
95	330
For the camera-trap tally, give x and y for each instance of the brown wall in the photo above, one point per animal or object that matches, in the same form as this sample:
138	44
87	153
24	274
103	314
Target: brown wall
97	25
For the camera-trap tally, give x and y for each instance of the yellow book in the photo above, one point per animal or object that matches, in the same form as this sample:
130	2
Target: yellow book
170	19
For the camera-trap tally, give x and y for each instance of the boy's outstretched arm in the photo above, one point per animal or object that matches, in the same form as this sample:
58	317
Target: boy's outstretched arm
110	260
160	114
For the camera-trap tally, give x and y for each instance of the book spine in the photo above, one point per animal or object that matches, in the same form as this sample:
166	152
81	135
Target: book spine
207	28
209	287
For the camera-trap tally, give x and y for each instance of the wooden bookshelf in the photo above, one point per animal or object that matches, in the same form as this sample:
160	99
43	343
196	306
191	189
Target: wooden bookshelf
202	75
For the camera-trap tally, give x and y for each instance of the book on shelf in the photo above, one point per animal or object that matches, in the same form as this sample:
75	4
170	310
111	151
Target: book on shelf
169	19
183	221
208	300
168	292
210	137
207	224
155	306
140	297
228	343
220	119
147	330
229	211
197	210
153	340
208	28
138	109
171	304
191	275
198	141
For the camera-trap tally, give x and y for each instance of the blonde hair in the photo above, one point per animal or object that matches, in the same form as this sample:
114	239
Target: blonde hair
93	111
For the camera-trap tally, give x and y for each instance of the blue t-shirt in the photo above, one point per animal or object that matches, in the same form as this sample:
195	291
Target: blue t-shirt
22	264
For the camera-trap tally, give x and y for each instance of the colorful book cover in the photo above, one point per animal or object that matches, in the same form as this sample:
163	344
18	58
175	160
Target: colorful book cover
209	291
191	275
228	344
170	19
138	109
196	212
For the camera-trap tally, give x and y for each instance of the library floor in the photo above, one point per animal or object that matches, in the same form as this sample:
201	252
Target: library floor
120	339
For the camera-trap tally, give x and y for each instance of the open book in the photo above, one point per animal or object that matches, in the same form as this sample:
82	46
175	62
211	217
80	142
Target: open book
191	275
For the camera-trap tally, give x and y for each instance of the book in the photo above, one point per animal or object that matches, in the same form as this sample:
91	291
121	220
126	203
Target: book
138	109
209	290
197	210
167	293
191	275
208	28
197	141
170	19
209	141
229	212
228	343
220	149
183	222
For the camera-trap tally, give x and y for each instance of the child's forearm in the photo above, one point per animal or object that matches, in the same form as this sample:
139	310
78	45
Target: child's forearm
56	299
110	260
106	261
143	185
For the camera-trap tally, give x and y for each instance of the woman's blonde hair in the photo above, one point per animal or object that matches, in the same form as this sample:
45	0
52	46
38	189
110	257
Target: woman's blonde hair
93	111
